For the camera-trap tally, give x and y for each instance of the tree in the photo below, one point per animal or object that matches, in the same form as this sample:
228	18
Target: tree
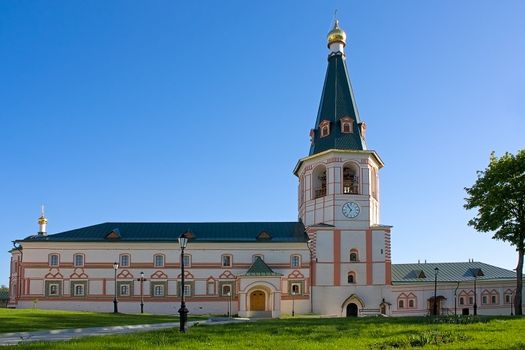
499	196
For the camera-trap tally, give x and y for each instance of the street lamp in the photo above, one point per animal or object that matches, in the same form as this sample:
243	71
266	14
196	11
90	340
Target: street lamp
183	311
115	301
293	302
229	294
141	280
436	271
477	273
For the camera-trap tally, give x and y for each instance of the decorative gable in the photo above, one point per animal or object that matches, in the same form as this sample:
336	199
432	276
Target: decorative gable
296	274
114	234
263	235
158	275
227	275
125	274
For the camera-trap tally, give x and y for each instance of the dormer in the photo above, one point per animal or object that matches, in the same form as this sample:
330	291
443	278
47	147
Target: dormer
347	125
324	128
312	135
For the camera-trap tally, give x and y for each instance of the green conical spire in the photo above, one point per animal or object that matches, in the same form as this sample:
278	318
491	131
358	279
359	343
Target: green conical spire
337	107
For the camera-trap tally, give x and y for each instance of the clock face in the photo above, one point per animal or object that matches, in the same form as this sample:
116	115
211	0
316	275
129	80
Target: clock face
351	209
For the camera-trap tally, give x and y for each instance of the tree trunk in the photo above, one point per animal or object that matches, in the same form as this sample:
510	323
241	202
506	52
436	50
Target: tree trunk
519	284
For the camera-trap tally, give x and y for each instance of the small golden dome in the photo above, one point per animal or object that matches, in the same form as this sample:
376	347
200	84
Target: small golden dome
336	35
42	220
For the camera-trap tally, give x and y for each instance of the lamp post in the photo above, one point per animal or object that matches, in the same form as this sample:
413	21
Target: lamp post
229	294
436	271
115	301
310	245
455	299
183	311
475	296
141	280
293	303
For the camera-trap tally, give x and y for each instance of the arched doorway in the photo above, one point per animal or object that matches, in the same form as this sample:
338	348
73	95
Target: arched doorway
257	301
351	310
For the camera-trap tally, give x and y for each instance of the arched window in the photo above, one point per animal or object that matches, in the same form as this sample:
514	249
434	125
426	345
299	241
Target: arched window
350	178
319	181
494	297
158	260
351	278
354	255
401	303
461	301
374	183
412	301
78	259
324	126
54	259
347	125
508	296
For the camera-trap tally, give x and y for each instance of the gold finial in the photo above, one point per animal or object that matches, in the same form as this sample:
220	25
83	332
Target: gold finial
336	35
42	219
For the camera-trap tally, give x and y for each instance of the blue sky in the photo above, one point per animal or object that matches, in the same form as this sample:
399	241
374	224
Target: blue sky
178	111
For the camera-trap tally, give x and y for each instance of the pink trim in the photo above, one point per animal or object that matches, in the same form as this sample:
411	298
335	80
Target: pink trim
369	266
337	257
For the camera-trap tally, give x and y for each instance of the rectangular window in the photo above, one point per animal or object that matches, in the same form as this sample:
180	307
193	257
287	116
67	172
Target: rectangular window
79	260
124	260
54	289
296	288
226	261
78	290
401	304
158	290
186	260
159	260
210	290
411	303
493	299
471	300
296	261
124	290
187	290
53	260
507	298
461	301
226	290
484	299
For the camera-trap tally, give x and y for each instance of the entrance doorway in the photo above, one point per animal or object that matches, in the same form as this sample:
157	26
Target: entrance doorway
257	301
351	310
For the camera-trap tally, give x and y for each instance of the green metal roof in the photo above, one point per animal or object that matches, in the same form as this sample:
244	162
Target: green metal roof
448	272
337	101
259	268
164	231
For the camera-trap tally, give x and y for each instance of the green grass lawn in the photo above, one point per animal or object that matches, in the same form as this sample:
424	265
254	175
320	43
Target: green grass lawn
14	320
309	333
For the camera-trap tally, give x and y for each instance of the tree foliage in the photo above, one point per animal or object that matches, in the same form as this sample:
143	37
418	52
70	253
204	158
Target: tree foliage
499	197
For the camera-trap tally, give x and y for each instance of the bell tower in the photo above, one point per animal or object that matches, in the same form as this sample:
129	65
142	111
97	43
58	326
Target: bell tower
338	198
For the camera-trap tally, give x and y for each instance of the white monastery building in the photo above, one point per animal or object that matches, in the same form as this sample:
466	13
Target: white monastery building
335	260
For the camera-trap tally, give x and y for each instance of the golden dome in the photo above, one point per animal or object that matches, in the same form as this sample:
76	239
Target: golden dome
336	35
42	220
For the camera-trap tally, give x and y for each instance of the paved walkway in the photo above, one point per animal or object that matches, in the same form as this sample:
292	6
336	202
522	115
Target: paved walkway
66	334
